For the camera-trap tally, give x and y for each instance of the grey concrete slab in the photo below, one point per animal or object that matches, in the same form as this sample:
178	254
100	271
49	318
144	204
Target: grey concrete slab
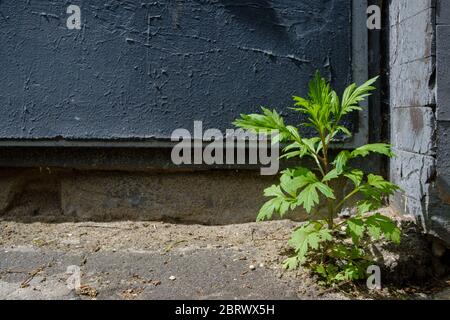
199	274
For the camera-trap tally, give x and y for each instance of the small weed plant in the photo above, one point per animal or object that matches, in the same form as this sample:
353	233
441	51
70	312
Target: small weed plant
337	250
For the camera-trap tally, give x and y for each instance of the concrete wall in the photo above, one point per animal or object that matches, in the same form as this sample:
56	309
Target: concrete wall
418	111
133	184
58	195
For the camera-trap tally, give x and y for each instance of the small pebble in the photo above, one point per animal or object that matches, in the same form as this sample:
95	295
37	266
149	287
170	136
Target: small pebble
261	265
252	267
172	278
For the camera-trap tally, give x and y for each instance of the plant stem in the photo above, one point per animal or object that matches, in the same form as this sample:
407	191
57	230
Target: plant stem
348	196
330	202
319	166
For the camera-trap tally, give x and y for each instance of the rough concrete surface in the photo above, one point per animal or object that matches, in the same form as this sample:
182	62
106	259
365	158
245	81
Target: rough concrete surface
419	84
137	260
55	195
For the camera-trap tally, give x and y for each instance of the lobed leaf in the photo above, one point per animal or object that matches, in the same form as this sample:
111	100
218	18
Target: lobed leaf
380	148
355	228
309	196
356	176
379	224
341	160
267	123
354	95
333	174
308	236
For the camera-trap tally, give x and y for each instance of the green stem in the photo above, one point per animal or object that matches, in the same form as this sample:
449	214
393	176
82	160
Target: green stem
319	166
330	202
347	197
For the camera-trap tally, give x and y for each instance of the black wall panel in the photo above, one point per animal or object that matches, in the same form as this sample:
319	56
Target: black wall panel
140	69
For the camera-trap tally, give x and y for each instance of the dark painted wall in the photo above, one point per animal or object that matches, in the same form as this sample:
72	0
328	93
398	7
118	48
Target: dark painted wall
140	69
439	217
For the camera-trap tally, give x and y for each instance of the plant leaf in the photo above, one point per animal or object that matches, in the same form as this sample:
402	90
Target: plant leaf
333	174
355	176
325	190
267	210
380	224
270	122
354	95
341	160
309	236
308	198
355	228
319	90
291	263
380	148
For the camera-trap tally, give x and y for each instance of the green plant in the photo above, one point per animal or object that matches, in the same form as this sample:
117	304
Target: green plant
336	251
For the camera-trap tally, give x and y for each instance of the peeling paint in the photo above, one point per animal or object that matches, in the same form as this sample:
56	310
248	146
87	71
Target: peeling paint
141	69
